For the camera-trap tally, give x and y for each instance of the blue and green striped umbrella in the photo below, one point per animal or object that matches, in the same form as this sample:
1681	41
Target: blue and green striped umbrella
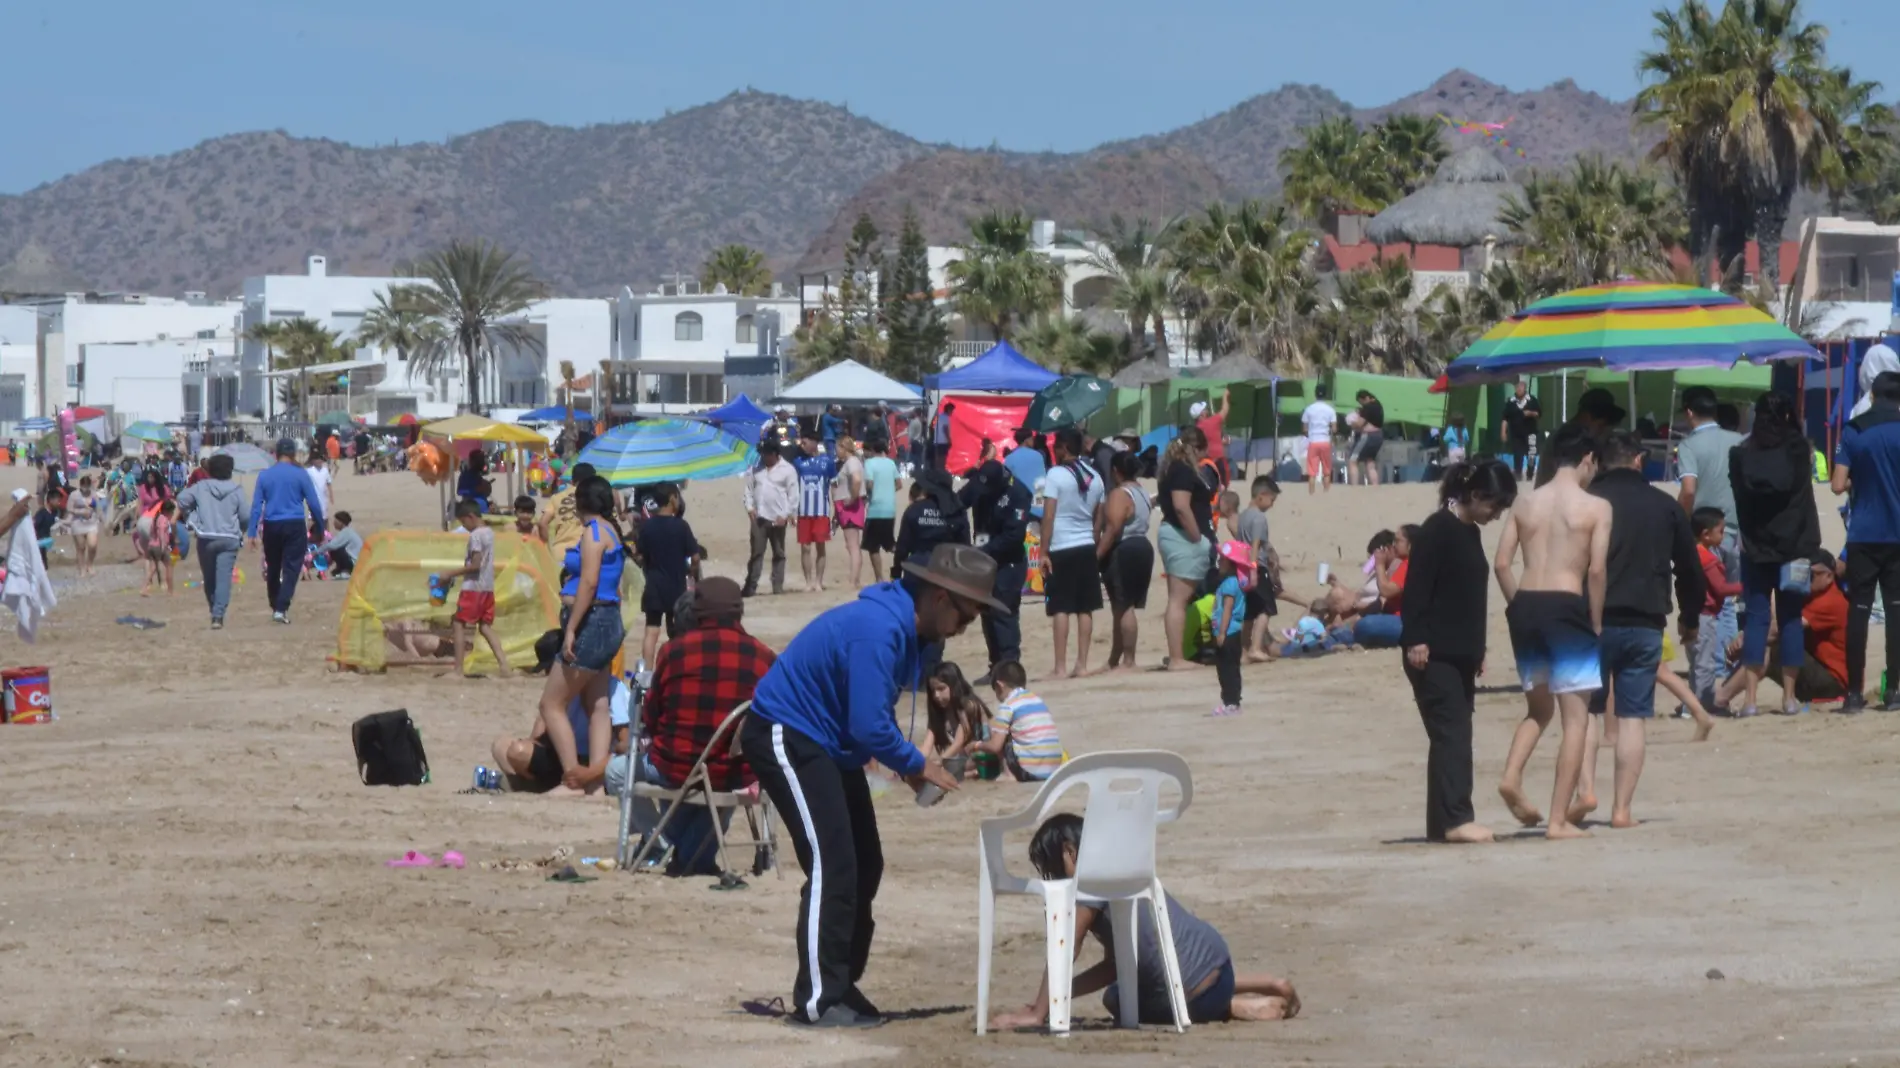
146	430
666	450
1628	326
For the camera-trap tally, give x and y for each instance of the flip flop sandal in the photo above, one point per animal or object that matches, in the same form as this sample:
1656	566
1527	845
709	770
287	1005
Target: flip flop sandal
569	875
411	859
774	1008
452	859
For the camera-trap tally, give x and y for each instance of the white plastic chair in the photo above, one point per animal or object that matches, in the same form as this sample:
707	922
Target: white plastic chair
1117	864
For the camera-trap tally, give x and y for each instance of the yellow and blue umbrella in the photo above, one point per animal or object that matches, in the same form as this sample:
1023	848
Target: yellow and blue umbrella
1628	326
666	450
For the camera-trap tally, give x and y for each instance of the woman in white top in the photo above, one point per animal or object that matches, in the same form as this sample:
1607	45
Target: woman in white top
83	509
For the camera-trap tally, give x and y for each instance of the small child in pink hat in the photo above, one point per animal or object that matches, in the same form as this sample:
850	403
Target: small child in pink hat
1230	622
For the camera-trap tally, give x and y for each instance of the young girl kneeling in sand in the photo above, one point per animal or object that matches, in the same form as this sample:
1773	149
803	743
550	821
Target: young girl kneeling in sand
957	715
1214	992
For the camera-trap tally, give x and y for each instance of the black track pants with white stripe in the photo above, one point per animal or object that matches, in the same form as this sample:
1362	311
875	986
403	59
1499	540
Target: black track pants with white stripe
827	811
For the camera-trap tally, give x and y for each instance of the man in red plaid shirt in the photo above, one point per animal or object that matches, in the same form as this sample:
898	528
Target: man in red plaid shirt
702	675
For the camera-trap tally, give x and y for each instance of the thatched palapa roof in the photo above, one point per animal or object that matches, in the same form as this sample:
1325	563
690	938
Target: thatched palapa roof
1458	207
1237	367
1143	373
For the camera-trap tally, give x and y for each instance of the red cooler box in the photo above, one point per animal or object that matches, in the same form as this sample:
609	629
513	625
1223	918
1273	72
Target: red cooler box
28	695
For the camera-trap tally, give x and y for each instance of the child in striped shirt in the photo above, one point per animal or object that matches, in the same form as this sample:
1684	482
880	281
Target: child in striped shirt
1023	733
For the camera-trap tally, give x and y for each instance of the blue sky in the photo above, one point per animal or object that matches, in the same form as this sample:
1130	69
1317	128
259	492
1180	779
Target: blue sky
112	78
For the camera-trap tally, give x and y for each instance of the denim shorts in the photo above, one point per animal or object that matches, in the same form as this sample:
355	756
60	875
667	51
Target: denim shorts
1630	658
598	638
1212	1005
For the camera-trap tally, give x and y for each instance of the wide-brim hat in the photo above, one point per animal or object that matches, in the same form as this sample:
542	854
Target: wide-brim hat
962	570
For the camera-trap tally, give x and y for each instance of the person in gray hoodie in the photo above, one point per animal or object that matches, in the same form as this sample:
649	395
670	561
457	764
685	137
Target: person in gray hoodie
215	511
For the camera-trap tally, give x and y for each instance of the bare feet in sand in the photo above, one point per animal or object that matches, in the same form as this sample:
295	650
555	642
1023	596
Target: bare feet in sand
1703	730
1623	821
1469	834
1580	809
1521	808
1560	831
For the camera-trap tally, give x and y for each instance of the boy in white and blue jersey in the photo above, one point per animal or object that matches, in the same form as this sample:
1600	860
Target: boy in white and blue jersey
815	473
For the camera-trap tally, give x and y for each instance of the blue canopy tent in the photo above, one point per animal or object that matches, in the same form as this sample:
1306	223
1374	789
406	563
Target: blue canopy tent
554	414
740	417
1000	370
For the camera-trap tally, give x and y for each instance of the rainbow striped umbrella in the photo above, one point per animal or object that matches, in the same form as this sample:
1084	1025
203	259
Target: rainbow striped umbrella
1628	326
666	450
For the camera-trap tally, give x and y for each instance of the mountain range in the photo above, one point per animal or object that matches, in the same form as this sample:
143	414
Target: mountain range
598	207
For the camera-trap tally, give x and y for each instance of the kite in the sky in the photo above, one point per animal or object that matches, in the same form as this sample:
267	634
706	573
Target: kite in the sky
1490	131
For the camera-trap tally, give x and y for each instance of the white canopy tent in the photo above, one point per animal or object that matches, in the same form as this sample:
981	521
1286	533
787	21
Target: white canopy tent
849	382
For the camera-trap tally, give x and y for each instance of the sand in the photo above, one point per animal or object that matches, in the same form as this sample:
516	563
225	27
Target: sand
194	875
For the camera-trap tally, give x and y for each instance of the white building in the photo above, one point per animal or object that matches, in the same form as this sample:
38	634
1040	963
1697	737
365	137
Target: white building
580	330
19	365
169	381
76	321
674	342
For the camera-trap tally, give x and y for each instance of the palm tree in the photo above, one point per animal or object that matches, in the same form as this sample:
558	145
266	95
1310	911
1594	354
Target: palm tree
1246	279
1069	344
1002	279
1136	258
568	378
740	268
1334	171
396	321
1369	326
1749	110
305	343
1860	139
1600	221
270	335
474	286
1410	149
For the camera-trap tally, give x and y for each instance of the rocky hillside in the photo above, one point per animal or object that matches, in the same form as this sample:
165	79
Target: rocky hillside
594	208
951	187
604	206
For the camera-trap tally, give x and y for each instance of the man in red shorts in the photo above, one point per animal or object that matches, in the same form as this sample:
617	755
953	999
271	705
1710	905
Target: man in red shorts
815	472
1319	419
476	605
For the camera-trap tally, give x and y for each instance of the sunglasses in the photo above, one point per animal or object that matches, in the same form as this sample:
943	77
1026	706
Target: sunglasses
967	610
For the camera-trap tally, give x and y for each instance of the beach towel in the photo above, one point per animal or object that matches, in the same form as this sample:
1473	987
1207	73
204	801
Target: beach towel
28	592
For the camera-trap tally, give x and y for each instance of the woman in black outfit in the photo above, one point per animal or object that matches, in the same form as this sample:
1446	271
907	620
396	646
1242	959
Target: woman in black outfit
1446	582
1771	474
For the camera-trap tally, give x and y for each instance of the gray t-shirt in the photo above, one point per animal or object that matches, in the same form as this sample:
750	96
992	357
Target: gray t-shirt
481	554
1703	455
1252	524
1200	949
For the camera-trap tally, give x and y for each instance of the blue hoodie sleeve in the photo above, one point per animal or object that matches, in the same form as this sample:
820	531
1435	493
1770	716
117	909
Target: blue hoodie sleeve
873	695
257	507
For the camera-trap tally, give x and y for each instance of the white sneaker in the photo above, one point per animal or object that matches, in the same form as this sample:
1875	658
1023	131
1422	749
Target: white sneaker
280	617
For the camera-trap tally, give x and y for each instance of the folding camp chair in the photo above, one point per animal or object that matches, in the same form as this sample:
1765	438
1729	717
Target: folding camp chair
697	790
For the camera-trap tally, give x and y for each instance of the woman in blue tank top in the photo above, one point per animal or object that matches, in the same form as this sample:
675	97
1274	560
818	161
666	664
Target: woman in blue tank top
592	632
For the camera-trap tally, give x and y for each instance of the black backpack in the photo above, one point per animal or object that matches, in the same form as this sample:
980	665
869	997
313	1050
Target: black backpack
389	750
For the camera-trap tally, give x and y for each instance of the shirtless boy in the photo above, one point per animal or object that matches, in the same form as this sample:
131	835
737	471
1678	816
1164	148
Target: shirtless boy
1565	535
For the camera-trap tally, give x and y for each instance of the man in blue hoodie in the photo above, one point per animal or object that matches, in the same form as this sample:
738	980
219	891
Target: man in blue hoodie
277	515
826	708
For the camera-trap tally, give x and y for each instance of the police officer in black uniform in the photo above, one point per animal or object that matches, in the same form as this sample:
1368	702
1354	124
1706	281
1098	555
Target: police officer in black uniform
999	514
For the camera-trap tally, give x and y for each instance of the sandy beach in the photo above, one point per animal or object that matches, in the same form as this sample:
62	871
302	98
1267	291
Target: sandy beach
195	874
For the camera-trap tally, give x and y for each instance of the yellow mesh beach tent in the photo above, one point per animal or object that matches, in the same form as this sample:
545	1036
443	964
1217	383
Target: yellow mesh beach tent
388	618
